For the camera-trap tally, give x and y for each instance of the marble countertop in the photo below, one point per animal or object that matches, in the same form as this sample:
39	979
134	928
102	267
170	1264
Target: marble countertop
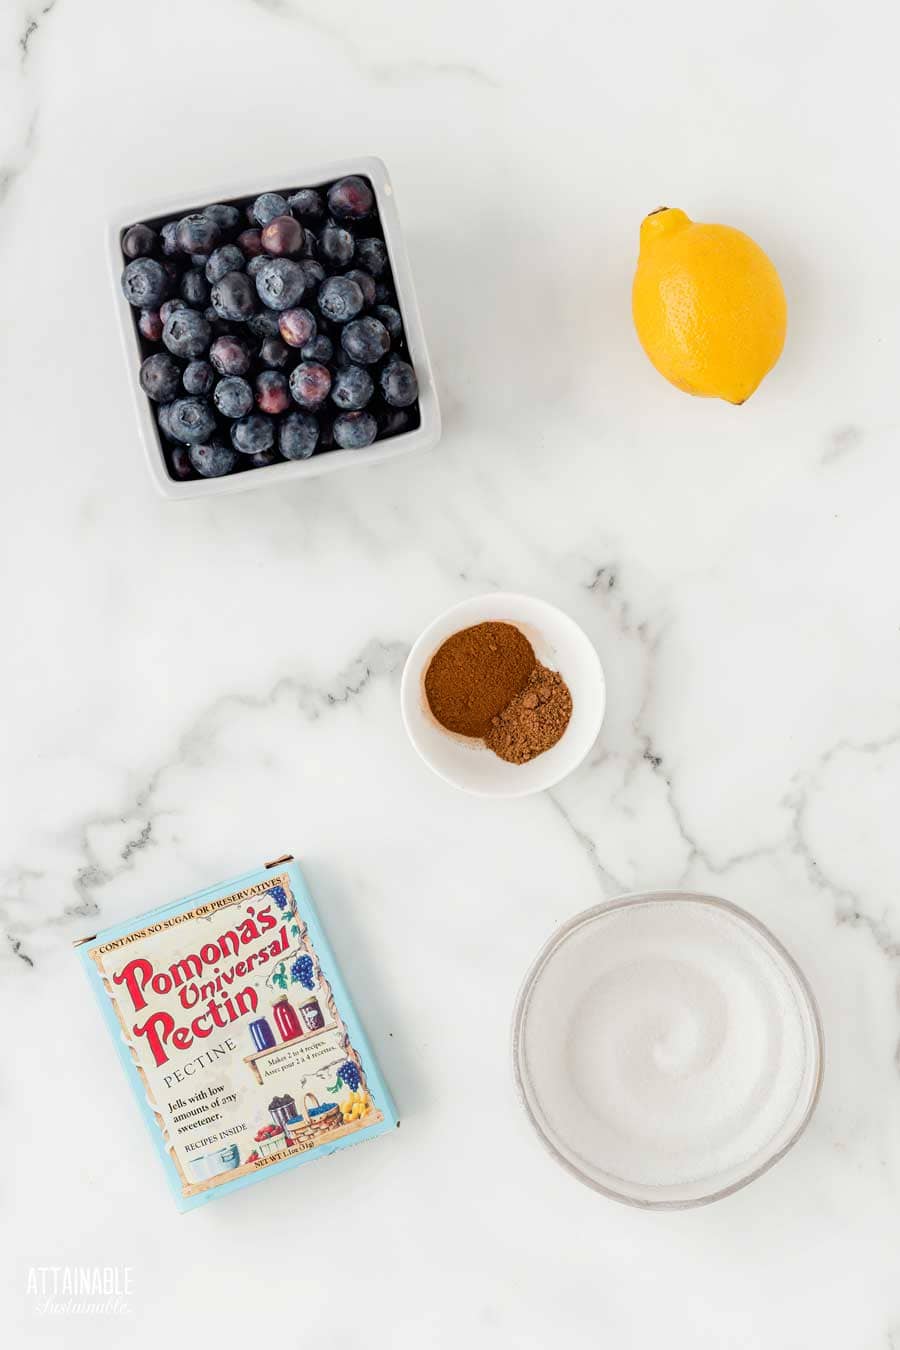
192	688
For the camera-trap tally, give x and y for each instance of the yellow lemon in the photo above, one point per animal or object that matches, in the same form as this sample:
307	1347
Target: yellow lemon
708	306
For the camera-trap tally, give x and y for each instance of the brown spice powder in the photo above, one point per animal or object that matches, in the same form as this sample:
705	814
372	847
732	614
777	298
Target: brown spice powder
475	674
533	720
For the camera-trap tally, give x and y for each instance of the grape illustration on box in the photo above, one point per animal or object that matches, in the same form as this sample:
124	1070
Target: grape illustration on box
238	1034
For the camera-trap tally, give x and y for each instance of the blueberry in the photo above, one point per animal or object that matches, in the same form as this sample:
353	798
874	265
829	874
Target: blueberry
340	299
169	306
233	297
213	460
179	461
399	384
352	388
282	236
164	419
355	430
170	267
228	258
139	242
274	353
150	325
263	458
372	255
145	283
256	263
233	397
226	217
307	202
194	288
396	421
336	245
350	198
253	434
186	333
160	378
296	326
197	233
310	383
250	243
313	271
267	207
199	378
230	355
298	434
191	420
263	324
200	259
319	348
169	241
364	281
390	317
272	392
365	340
280	283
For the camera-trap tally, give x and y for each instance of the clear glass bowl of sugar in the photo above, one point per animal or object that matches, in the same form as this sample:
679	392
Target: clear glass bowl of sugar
667	1049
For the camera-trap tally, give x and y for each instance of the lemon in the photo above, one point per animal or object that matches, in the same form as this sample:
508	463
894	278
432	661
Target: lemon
708	306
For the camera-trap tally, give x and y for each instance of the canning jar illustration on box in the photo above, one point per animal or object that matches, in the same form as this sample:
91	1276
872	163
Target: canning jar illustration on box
286	1020
262	1035
311	1013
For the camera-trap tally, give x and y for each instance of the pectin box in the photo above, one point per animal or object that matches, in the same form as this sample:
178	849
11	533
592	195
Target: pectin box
237	1034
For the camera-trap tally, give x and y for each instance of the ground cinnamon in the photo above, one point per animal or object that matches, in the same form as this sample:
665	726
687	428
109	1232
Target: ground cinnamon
534	720
475	674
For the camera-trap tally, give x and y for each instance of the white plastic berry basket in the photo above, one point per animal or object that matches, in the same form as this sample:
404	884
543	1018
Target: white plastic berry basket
423	437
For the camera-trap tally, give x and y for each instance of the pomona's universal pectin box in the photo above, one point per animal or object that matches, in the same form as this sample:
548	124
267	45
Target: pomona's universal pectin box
237	1034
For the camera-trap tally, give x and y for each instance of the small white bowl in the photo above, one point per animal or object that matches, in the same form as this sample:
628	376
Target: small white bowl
559	643
428	432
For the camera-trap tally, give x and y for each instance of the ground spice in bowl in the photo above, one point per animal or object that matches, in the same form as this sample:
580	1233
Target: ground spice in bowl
485	682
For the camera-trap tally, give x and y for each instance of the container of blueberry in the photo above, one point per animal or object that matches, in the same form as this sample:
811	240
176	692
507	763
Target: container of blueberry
273	334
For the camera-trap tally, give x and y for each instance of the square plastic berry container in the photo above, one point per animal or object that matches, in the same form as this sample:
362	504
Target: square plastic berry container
421	437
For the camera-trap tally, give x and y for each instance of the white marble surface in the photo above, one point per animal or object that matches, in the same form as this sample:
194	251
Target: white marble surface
190	689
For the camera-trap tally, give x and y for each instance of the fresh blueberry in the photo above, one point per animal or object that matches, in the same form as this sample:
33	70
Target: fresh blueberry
296	326
340	299
186	333
364	281
233	397
298	434
336	245
272	392
139	242
307	203
233	297
198	378
256	263
267	207
274	353
365	340
390	317
352	388
160	378
226	217
250	243
194	288
179	461
150	325
191	420
280	283
230	355
263	324
399	384
168	234
319	348
395	422
164	419
350	198
145	283
283	236
310	383
213	460
372	255
197	233
263	458
384	294
169	306
228	258
253	434
200	259
355	430
313	271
